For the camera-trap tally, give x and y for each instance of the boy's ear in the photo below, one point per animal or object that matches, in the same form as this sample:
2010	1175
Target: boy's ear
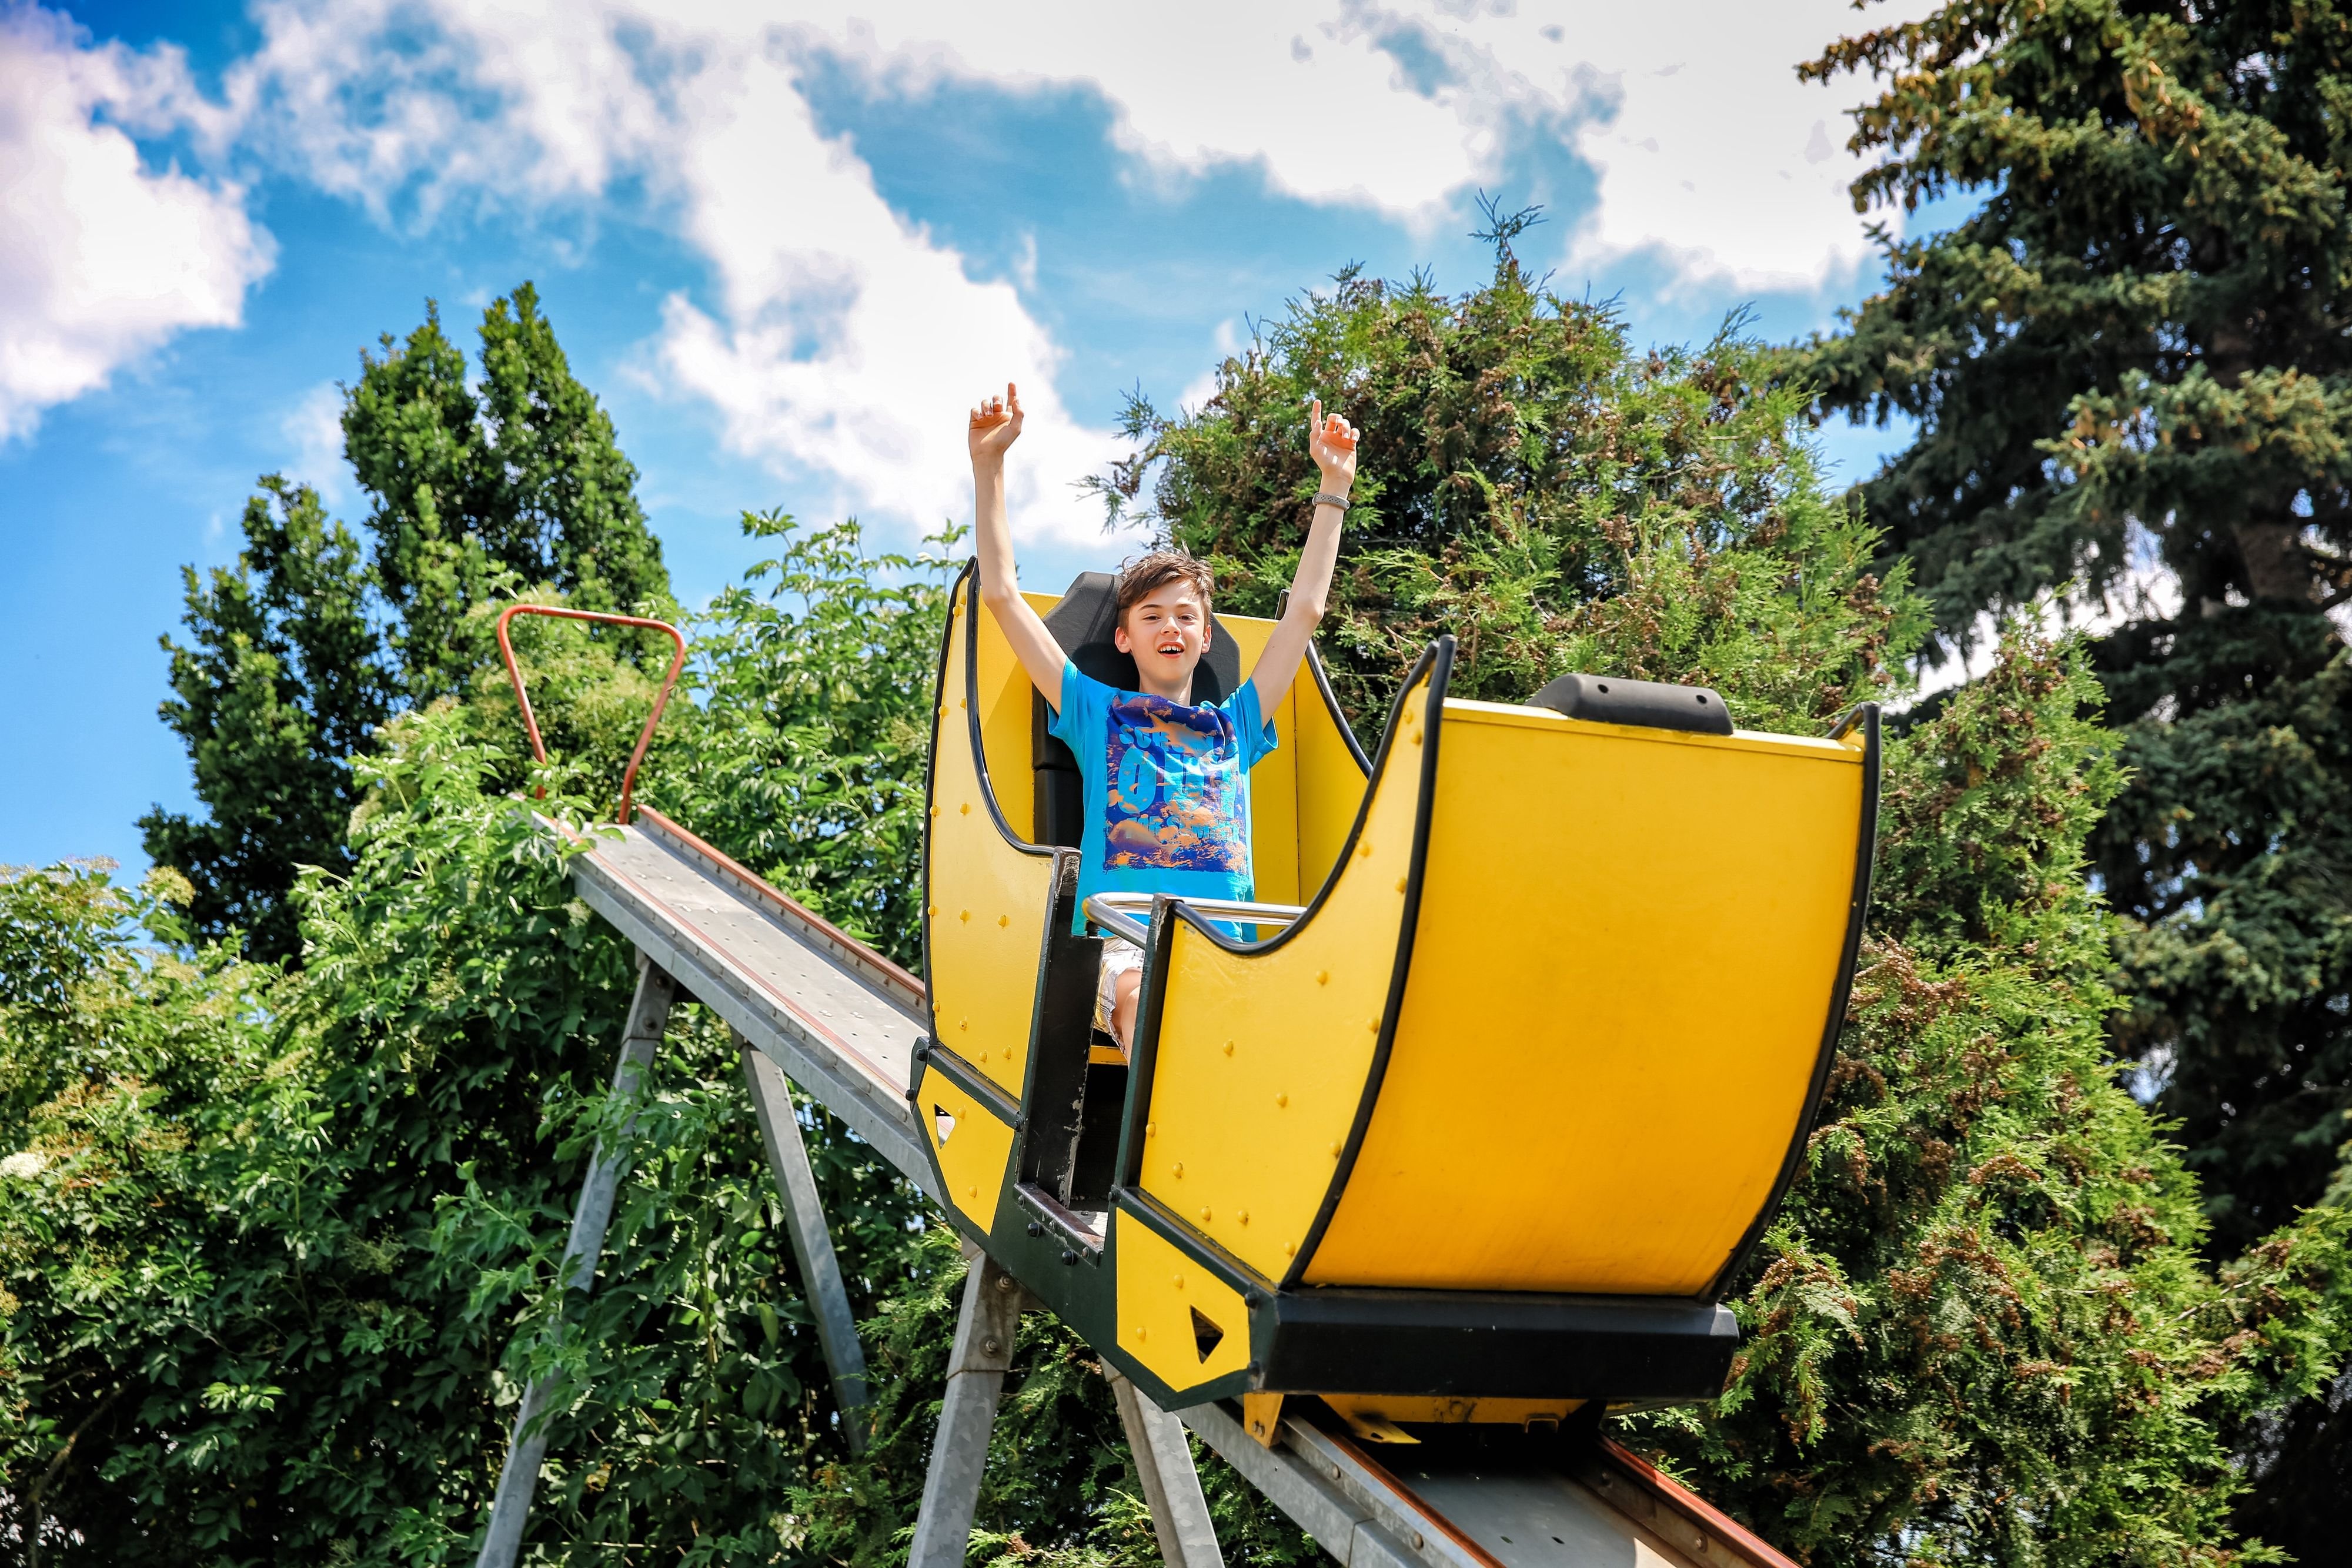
1119	639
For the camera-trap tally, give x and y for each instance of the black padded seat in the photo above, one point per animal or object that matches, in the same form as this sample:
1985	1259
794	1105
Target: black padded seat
1083	623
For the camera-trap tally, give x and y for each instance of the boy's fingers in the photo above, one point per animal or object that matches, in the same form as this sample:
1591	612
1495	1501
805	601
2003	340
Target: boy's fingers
1315	415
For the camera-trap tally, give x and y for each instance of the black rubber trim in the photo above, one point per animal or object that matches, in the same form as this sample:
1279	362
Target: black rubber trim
972	1081
1331	706
967	582
1865	716
1438	661
1482	1345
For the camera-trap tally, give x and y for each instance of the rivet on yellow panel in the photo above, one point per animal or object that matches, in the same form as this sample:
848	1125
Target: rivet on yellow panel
973	1146
1202	1323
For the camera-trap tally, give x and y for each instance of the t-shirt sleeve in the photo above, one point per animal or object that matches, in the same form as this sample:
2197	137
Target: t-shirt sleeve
1081	706
1252	729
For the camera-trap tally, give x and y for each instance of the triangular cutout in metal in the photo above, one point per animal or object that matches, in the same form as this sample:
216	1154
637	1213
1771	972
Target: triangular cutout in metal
1206	1335
944	1121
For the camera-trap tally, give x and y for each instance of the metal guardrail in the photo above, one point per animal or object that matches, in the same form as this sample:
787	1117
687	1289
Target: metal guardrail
661	701
1115	912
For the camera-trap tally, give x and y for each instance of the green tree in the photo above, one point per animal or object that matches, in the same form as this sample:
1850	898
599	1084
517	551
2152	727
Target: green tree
2132	358
281	685
518	480
1533	485
305	646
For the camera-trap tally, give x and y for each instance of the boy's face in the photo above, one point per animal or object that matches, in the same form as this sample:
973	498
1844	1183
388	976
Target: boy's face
1166	630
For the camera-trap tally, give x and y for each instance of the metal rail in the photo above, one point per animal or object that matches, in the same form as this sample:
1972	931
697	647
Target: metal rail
1115	912
661	701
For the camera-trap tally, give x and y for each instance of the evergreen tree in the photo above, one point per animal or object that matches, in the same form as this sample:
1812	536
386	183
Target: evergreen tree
283	684
308	644
2135	354
518	481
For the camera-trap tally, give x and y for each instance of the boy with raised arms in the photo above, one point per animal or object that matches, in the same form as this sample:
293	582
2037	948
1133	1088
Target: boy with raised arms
1165	780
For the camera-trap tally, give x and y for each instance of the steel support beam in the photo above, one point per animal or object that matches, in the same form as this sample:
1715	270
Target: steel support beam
1163	1460
985	1330
519	1477
829	1299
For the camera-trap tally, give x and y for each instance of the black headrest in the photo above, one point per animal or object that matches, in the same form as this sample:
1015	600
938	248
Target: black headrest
1087	615
1612	699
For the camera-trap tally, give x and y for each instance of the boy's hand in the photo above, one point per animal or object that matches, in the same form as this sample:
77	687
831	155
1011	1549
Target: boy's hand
995	425
1332	443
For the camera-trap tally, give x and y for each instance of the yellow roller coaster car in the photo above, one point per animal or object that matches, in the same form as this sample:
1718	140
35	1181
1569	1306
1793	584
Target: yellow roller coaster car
1481	1126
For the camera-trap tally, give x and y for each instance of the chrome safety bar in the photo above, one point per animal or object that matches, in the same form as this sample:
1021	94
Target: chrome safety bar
1115	912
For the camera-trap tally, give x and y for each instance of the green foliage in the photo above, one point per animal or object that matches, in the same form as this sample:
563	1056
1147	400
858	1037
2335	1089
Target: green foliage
808	761
305	646
1529	483
518	481
1982	1332
2133	355
284	682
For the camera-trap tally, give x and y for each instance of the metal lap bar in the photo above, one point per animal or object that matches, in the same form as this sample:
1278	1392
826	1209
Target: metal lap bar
1115	912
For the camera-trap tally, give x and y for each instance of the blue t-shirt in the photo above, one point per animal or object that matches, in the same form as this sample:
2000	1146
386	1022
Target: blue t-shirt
1166	787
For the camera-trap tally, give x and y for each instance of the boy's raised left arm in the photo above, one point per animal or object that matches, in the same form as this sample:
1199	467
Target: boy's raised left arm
1332	443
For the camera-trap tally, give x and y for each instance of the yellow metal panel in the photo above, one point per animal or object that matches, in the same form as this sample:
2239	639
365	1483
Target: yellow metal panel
987	899
1262	1056
1626	946
1273	803
1006	710
972	1155
1329	781
1159	1288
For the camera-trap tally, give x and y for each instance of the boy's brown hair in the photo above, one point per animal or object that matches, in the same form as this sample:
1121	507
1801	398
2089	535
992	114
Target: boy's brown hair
1143	576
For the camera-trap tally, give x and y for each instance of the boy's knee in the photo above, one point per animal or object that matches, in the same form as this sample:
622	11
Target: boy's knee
1127	988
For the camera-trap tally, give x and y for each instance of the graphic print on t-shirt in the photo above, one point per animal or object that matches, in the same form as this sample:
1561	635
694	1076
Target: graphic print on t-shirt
1166	805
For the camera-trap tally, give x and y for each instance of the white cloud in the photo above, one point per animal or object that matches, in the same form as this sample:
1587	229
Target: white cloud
313	427
1717	157
839	341
102	259
870	386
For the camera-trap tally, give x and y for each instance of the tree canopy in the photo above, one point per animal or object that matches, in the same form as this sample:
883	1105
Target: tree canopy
2129	371
300	650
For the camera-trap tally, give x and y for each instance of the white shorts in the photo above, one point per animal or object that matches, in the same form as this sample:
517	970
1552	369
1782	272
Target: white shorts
1118	958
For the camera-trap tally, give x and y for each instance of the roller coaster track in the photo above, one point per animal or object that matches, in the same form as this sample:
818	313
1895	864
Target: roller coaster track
809	1002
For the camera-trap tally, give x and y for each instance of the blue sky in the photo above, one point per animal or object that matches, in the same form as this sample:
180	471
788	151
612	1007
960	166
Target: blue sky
786	246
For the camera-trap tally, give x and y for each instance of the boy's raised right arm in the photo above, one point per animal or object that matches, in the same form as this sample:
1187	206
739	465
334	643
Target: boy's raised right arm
995	426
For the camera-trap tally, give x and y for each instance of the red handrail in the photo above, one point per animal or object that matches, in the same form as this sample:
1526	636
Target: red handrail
531	724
